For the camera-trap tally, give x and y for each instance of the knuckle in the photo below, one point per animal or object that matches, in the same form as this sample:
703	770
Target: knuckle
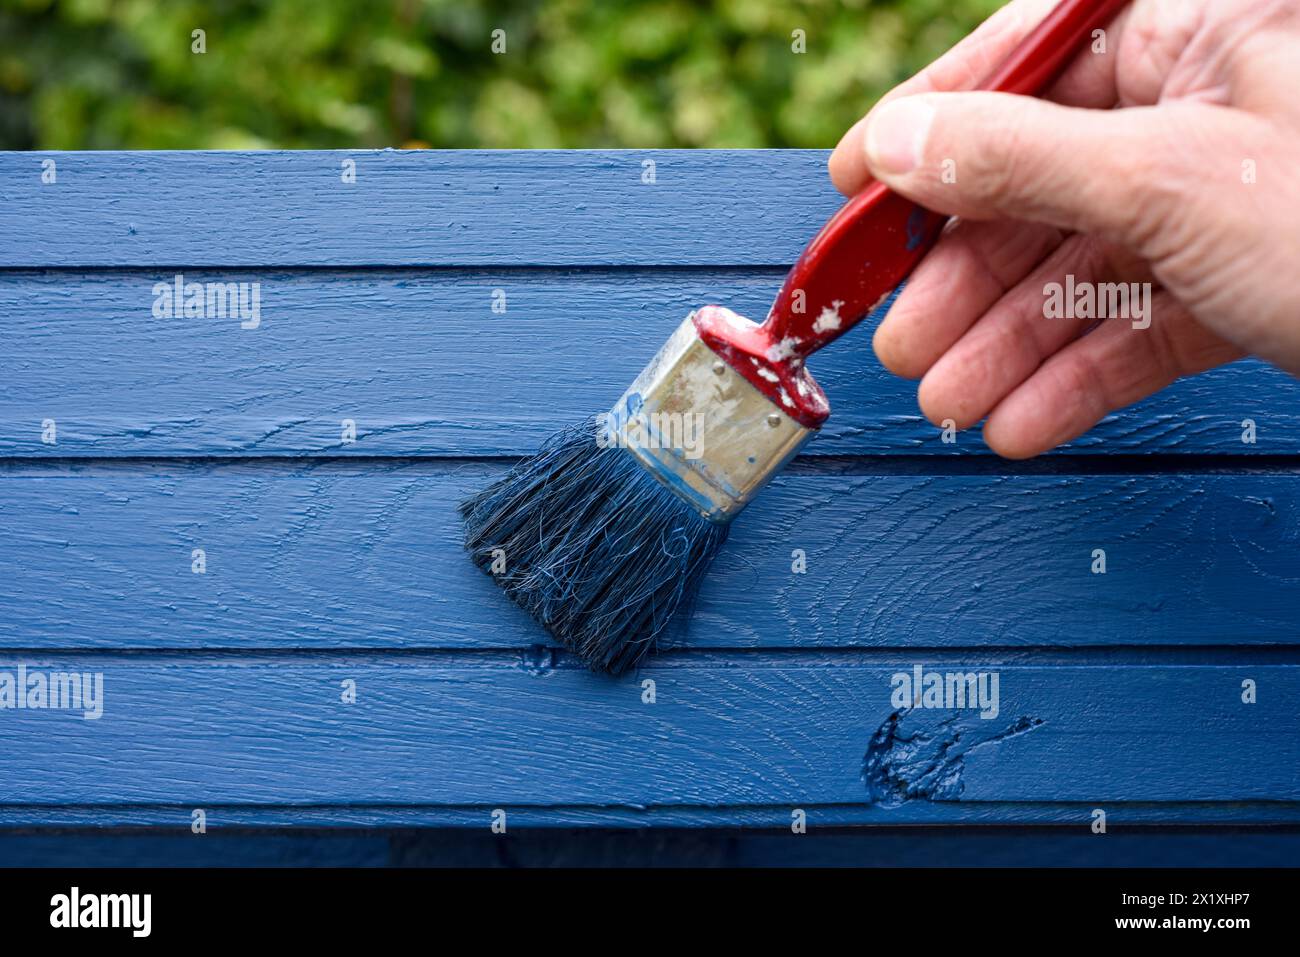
999	167
1143	200
1167	355
1141	197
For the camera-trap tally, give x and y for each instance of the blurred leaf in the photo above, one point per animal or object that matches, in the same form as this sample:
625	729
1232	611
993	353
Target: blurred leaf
122	74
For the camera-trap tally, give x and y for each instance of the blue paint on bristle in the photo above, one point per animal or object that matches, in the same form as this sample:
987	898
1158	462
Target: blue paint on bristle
595	548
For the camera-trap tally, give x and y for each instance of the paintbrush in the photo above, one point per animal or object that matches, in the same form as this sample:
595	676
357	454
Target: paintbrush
607	531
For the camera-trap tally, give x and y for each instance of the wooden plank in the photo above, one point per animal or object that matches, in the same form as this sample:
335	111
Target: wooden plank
422	365
366	555
413	208
478	846
226	849
528	817
272	730
222	690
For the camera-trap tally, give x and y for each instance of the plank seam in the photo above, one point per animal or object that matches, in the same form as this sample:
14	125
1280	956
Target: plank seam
540	658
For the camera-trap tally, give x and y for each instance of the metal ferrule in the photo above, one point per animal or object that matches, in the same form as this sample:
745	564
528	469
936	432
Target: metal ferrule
701	429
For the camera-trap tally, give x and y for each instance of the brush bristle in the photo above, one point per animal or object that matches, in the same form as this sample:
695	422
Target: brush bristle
593	546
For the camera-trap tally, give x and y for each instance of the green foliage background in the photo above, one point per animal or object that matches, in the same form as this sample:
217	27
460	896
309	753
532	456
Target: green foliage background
120	74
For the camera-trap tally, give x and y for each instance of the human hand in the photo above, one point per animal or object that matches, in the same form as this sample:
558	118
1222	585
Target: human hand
1171	158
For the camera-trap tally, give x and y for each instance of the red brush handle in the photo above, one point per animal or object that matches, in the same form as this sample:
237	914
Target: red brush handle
875	241
893	233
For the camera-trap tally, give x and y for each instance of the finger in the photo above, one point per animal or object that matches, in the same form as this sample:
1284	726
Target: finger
1124	174
1111	367
1089	81
960	68
1010	341
969	269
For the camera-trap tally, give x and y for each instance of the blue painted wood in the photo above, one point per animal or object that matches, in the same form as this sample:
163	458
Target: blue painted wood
262	729
418	360
213	849
727	817
1120	690
913	846
367	555
413	208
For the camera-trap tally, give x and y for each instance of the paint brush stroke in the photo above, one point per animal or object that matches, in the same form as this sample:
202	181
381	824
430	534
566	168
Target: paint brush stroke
910	757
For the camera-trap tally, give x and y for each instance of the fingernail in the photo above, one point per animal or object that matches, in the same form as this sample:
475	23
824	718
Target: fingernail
896	135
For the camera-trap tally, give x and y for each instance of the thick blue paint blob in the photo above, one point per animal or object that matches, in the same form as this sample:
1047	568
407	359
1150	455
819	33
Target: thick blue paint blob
593	547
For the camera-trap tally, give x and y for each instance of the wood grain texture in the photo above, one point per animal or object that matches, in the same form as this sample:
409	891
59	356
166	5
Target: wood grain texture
367	555
271	730
329	561
422	365
530	817
414	208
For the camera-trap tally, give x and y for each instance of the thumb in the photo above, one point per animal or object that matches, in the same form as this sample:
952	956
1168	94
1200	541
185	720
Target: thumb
1116	173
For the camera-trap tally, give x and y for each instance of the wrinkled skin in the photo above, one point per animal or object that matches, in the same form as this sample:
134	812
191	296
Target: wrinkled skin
1130	170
